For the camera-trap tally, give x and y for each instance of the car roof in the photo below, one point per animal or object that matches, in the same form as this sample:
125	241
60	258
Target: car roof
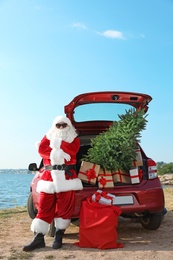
136	100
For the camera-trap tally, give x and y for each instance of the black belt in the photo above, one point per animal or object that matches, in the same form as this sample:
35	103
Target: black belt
62	167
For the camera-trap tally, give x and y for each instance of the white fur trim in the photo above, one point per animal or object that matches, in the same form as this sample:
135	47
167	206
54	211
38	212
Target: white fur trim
45	186
39	226
61	223
55	143
56	156
67	185
57	176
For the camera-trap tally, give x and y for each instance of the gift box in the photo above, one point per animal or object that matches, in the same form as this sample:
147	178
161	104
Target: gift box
88	172
105	179
103	197
121	176
135	175
138	161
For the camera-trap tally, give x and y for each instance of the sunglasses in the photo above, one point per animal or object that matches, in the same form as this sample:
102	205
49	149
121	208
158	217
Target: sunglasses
61	125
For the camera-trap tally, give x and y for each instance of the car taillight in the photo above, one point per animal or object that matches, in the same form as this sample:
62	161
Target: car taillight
152	169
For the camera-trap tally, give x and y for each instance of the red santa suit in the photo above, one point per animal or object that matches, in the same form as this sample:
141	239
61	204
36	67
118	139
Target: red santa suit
57	186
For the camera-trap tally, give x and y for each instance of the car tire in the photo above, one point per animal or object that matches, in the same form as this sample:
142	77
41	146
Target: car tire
32	211
151	222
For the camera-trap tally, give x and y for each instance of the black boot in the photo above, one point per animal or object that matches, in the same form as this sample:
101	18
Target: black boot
57	243
38	242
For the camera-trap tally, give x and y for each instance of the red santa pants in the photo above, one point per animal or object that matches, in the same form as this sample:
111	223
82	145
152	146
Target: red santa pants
57	205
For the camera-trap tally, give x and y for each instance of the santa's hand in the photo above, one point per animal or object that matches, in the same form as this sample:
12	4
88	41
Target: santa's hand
57	156
55	143
66	156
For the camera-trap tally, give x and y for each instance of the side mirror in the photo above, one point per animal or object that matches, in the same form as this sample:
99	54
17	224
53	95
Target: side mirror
32	167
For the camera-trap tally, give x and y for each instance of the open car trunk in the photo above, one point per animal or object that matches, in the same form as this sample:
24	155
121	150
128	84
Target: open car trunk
93	113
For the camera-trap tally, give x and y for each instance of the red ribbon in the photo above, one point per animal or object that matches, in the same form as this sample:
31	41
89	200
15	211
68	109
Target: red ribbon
97	196
102	181
91	174
103	194
140	173
121	174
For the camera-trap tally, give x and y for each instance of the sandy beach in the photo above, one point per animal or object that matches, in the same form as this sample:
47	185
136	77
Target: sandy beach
139	243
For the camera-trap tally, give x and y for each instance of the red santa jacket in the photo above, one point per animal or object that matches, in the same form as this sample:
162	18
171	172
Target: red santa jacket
70	148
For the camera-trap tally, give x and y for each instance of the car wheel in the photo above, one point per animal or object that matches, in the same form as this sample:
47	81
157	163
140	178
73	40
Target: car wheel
52	229
32	211
152	221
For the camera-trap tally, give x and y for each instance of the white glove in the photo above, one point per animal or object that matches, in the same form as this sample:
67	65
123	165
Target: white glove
66	156
57	156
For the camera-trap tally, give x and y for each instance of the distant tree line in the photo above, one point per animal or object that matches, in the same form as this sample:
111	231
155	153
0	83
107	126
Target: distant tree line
163	168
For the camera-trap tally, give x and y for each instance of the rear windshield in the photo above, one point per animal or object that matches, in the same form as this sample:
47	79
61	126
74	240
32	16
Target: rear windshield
100	112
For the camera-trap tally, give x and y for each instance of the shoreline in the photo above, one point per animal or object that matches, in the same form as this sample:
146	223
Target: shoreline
22	209
166	181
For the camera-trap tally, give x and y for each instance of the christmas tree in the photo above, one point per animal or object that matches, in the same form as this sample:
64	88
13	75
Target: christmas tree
115	148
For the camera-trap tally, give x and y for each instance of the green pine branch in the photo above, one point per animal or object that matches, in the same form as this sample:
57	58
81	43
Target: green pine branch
115	148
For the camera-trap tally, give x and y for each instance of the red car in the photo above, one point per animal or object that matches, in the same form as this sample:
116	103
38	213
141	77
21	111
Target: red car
92	113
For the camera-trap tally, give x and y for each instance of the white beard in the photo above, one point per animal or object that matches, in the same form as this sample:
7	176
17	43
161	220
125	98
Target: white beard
68	134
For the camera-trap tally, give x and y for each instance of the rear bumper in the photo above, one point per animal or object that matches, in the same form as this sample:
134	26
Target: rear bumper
148	197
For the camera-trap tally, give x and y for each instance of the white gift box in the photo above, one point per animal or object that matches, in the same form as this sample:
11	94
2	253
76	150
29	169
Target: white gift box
134	175
103	197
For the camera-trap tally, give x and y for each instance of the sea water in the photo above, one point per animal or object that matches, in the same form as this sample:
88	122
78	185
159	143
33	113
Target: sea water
14	187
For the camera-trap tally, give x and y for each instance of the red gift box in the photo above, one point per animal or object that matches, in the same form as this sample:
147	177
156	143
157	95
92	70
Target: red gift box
88	172
105	179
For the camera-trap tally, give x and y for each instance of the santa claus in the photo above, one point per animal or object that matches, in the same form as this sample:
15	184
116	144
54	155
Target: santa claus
57	186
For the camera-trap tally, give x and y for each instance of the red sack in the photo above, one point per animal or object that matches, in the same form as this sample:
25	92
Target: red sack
98	224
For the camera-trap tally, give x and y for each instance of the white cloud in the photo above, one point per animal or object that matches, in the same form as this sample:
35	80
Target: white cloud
113	34
79	25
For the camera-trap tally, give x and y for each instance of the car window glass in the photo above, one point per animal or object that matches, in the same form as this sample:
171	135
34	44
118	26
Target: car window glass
100	112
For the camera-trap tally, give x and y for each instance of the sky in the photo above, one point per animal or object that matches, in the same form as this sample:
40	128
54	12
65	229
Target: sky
53	50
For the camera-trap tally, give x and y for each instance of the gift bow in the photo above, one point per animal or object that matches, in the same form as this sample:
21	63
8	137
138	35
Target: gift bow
97	196
102	181
103	194
91	174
